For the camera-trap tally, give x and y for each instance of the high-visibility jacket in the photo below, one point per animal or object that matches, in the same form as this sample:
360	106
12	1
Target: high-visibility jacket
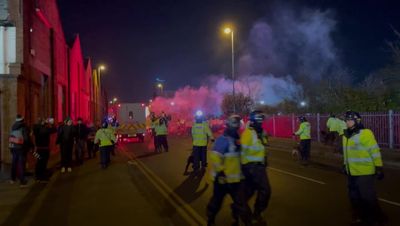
105	137
200	133
361	153
341	126
304	131
331	124
336	125
253	149
225	157
161	129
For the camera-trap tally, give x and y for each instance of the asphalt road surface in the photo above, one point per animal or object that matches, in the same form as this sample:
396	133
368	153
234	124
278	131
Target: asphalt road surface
143	188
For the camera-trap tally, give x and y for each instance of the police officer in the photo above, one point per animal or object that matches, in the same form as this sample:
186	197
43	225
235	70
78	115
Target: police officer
161	129
226	174
362	164
253	158
201	132
304	132
105	138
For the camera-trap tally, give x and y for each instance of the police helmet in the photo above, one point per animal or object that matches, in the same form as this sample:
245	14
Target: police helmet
352	115
256	117
233	122
302	119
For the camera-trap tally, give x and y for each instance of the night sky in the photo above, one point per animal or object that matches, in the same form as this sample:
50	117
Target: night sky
181	41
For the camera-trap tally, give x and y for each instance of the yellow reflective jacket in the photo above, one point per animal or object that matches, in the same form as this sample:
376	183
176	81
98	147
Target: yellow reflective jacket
160	129
331	124
361	153
225	157
304	131
105	137
253	149
200	133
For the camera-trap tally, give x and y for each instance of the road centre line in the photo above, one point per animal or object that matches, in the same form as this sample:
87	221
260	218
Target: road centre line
184	209
296	175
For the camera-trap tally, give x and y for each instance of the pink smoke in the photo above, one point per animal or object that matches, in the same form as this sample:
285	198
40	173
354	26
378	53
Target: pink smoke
184	104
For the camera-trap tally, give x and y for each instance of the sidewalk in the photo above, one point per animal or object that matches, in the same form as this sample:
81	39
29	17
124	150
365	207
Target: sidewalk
324	154
11	195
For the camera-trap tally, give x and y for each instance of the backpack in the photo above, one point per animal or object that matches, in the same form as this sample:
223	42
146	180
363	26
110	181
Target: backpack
16	138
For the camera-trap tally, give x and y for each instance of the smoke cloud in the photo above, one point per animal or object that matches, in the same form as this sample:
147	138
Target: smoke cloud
292	42
287	45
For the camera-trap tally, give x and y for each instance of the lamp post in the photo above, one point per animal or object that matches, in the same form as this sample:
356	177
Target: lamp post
230	31
98	90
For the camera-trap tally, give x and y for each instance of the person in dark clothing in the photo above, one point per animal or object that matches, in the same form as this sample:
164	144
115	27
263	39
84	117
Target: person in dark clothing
81	133
91	146
65	138
42	133
19	143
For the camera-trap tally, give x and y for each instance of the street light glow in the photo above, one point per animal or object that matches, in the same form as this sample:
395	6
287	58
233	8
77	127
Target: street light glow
303	103
115	99
102	67
262	102
227	30
159	85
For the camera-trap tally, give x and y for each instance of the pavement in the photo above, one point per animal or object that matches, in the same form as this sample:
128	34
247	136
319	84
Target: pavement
144	188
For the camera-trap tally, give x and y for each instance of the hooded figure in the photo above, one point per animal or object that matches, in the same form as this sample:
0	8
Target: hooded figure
19	143
65	138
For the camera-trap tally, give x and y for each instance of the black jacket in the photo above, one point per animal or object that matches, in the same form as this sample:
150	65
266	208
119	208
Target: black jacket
66	135
81	131
42	135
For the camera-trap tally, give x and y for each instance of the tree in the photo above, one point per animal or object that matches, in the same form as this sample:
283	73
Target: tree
243	104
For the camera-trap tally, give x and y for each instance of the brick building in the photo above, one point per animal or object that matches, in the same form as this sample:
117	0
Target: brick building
40	75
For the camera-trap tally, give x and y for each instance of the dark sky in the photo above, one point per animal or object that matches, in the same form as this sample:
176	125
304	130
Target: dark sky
181	41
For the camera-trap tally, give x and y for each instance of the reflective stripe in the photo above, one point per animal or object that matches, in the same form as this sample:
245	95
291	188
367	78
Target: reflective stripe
254	159
253	147
376	155
360	160
232	154
217	153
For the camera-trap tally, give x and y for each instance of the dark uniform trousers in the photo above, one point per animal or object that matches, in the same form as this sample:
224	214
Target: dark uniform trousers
363	199
305	146
199	155
256	180
239	206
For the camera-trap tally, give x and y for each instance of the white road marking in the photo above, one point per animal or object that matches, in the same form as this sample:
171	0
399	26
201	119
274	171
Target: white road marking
296	175
389	202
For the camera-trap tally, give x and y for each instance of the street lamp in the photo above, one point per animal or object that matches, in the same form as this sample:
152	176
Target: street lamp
229	30
115	99
160	85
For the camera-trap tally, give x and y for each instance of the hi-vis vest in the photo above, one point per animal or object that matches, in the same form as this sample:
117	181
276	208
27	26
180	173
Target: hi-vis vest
253	150
160	129
225	157
361	153
304	131
200	132
105	137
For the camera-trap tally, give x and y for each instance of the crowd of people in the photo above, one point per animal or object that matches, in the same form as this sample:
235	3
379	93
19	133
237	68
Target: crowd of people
239	158
80	140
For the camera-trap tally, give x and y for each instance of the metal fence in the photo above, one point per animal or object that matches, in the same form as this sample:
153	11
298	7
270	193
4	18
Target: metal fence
385	125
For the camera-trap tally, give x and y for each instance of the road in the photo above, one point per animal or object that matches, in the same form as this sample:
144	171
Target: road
143	188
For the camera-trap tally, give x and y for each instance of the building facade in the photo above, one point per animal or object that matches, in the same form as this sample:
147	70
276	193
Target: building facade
40	75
